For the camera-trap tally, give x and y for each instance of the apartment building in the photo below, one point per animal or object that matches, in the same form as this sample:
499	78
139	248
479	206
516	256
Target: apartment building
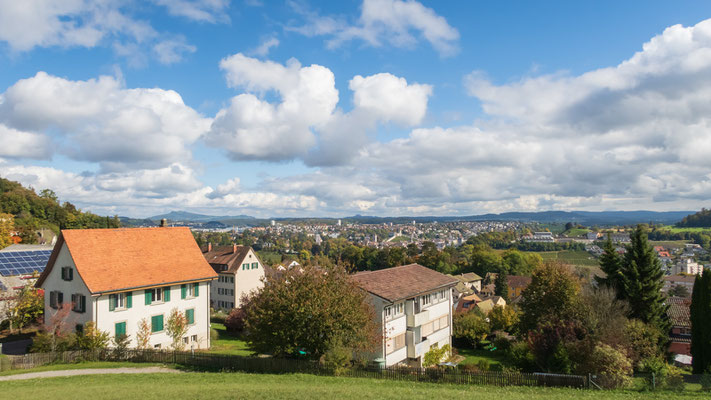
414	307
240	271
118	278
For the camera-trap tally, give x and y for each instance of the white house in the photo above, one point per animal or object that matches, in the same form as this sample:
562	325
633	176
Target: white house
414	307
687	266
240	271
119	277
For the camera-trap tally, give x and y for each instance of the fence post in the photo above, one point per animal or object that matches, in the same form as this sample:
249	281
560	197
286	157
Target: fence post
654	382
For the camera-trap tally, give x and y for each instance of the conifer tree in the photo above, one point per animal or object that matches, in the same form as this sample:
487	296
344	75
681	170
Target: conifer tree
701	324
501	285
611	265
642	282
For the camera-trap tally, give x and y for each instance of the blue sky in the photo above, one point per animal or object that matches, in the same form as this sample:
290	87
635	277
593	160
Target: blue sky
383	107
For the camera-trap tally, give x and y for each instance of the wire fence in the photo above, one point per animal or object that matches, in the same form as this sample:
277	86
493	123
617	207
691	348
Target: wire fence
270	365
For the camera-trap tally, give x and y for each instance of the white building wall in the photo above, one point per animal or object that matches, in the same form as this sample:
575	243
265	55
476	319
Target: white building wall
248	280
76	285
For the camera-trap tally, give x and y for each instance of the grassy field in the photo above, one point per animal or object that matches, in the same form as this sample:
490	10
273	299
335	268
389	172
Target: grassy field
675	229
495	358
574	257
228	343
576	232
269	257
292	386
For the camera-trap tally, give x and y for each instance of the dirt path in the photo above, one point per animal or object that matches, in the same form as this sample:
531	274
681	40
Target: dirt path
95	371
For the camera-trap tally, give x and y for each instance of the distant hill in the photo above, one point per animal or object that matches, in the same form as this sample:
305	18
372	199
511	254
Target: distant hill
701	219
184	216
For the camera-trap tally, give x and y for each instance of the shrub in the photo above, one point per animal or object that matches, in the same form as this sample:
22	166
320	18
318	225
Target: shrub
218	317
674	380
176	327
121	344
705	381
337	359
235	320
502	343
46	342
435	355
612	366
92	338
483	365
214	335
521	356
470	326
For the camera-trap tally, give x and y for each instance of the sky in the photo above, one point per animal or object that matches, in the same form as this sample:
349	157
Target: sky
371	107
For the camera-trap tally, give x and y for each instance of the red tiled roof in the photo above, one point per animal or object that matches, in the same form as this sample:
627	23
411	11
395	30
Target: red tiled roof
678	311
116	259
231	256
517	281
402	282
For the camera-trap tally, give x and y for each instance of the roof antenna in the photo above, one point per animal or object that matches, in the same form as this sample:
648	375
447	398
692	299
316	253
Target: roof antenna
163	223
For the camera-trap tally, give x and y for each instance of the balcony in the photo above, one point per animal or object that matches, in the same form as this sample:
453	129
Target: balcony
414	320
414	349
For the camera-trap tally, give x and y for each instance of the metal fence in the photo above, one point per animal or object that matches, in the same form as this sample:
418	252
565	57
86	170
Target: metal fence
270	365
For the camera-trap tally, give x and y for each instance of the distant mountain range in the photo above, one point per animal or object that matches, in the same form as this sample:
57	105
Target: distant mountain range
582	217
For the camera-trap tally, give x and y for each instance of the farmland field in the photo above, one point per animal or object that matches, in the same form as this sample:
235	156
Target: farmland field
293	386
574	257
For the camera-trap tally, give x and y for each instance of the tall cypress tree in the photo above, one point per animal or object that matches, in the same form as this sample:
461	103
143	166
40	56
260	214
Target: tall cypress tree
501	285
701	324
642	282
611	265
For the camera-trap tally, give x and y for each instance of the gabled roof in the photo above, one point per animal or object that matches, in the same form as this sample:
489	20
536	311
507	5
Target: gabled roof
127	258
402	282
232	256
468	277
678	311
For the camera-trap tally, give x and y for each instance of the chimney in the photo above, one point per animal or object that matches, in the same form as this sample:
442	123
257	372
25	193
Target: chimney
163	223
209	246
234	248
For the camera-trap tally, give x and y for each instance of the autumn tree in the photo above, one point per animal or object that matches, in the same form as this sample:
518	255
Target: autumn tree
309	311
176	327
503	318
7	225
26	307
472	327
143	335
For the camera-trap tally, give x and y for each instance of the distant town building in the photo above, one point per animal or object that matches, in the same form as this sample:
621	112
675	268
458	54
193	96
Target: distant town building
687	266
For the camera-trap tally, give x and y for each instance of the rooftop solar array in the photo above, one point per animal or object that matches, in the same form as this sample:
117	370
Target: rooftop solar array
23	262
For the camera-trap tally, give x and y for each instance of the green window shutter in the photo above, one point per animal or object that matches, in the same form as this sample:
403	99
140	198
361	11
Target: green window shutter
156	323
120	329
196	289
71	274
190	316
255	265
183	291
129	299
112	302
166	293
149	297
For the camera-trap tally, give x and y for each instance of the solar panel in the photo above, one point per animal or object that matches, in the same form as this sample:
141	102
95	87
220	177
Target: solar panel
23	262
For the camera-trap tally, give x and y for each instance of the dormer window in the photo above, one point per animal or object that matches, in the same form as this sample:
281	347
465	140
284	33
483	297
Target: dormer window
67	273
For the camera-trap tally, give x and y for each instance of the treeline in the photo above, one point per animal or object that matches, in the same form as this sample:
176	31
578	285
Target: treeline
32	211
700	238
701	219
509	240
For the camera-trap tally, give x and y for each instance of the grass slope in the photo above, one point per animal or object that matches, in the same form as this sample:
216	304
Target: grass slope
227	343
296	386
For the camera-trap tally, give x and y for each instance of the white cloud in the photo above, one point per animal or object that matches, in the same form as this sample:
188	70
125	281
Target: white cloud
390	98
99	120
395	22
27	24
263	49
171	51
20	144
211	11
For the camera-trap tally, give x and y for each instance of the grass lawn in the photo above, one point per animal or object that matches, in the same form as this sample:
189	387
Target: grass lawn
675	229
292	386
228	343
495	358
576	232
575	257
81	365
269	257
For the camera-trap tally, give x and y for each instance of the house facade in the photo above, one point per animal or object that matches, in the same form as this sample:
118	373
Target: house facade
121	278
240	272
414	307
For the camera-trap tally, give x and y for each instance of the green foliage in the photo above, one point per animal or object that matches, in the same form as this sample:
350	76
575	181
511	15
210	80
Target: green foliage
678	291
27	307
92	338
552	293
612	367
307	311
47	342
176	327
700	314
121	344
611	265
435	355
700	219
705	381
643	343
501	286
674	379
520	355
143	335
7	225
337	359
471	327
503	318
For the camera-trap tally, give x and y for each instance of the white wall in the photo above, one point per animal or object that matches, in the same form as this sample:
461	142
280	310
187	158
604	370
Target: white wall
246	281
54	282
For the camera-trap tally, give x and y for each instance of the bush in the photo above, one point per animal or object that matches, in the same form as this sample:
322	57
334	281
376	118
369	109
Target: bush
235	320
470	326
521	356
613	368
45	342
705	381
502	343
337	359
483	365
214	335
674	379
435	355
218	317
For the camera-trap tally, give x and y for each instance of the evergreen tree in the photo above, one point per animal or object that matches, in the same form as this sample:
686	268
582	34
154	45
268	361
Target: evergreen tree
701	324
611	265
501	285
642	282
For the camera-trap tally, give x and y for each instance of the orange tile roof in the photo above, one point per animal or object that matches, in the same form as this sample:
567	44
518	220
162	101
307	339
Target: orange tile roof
402	282
126	258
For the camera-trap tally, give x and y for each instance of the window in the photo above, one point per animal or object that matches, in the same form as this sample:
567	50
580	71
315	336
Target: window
396	343
67	273
157	347
232	279
185	340
56	299
157	323
426	300
157	295
119	329
255	265
194	338
245	266
120	301
190	316
190	290
232	305
388	312
232	292
78	303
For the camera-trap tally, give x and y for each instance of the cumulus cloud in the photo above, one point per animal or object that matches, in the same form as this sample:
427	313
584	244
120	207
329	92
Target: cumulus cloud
263	49
88	23
305	123
20	144
395	22
211	11
98	120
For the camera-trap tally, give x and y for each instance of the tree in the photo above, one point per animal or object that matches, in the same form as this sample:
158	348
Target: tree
176	326
678	291
307	311
700	314
143	336
92	338
7	225
471	327
611	265
435	355
501	285
642	282
552	292
25	308
503	318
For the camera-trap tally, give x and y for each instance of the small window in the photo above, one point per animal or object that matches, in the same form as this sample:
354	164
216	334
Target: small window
186	340
194	338
232	279
157	347
255	265
157	323
190	316
67	273
245	266
78	303
119	329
